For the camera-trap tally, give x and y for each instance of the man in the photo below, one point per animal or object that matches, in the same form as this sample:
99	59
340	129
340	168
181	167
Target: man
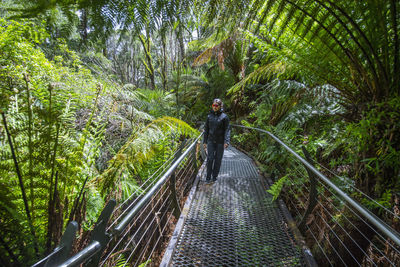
216	138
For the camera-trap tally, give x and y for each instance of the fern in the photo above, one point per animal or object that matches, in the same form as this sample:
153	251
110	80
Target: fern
144	264
53	153
141	148
264	72
278	12
276	188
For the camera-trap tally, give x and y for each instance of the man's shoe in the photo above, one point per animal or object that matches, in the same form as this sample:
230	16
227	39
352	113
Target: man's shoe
214	179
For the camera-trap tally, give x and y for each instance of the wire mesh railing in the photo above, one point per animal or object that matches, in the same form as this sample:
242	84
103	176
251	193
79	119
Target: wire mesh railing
132	233
339	230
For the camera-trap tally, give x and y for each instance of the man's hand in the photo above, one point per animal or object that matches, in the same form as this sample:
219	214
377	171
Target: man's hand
205	146
226	145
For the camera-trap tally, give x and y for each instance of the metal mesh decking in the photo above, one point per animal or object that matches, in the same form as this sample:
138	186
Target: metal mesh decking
233	222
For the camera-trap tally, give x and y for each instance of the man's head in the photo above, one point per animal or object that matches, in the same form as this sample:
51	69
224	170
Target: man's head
217	104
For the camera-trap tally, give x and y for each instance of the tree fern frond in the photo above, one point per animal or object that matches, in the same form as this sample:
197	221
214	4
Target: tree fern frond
263	72
287	19
316	30
310	22
253	10
300	20
277	14
203	58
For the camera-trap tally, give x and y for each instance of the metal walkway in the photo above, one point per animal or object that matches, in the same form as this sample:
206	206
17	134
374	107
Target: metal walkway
234	223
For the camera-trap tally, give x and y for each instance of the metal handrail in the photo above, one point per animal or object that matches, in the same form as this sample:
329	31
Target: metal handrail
83	255
128	218
377	222
100	235
61	252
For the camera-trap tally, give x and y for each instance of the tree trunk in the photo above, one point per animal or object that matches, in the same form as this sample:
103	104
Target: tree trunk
21	183
30	148
396	48
164	63
84	26
148	60
181	45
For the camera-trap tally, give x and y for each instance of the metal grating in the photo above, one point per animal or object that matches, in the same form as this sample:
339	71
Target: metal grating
233	222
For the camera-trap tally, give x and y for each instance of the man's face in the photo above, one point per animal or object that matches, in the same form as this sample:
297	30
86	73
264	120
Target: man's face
216	106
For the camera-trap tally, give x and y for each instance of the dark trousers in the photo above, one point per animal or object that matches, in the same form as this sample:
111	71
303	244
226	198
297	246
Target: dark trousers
214	158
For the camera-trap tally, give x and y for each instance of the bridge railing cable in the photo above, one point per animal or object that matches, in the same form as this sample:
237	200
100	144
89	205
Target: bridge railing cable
131	233
338	229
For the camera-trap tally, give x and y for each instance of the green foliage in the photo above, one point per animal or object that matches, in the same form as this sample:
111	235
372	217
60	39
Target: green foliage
219	82
319	74
65	125
94	206
41	99
378	203
144	264
157	102
376	138
24	36
122	262
326	42
142	154
276	188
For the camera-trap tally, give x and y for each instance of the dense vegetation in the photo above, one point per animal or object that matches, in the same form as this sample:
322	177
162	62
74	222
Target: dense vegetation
95	95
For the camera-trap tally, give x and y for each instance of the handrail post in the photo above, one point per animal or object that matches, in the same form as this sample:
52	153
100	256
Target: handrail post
172	184
203	153
194	155
174	200
99	233
61	252
312	199
98	242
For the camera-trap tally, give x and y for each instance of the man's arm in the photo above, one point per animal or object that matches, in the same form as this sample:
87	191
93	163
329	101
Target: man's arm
227	136
206	130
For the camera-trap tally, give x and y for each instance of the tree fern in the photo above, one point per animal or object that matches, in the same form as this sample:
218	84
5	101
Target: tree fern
348	35
47	145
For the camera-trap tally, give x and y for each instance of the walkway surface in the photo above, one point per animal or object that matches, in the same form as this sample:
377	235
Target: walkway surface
233	222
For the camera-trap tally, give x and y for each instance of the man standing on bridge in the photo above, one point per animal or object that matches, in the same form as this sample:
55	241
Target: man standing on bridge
216	138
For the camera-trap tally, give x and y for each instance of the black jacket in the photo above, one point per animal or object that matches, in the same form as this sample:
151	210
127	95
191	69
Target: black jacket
217	128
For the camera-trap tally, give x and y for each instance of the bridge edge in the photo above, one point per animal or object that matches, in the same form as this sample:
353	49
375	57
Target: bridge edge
169	251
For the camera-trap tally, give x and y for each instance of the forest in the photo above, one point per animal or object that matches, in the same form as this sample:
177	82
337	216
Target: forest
97	95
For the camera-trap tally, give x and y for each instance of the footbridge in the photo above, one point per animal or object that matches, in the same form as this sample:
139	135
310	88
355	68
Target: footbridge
177	219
